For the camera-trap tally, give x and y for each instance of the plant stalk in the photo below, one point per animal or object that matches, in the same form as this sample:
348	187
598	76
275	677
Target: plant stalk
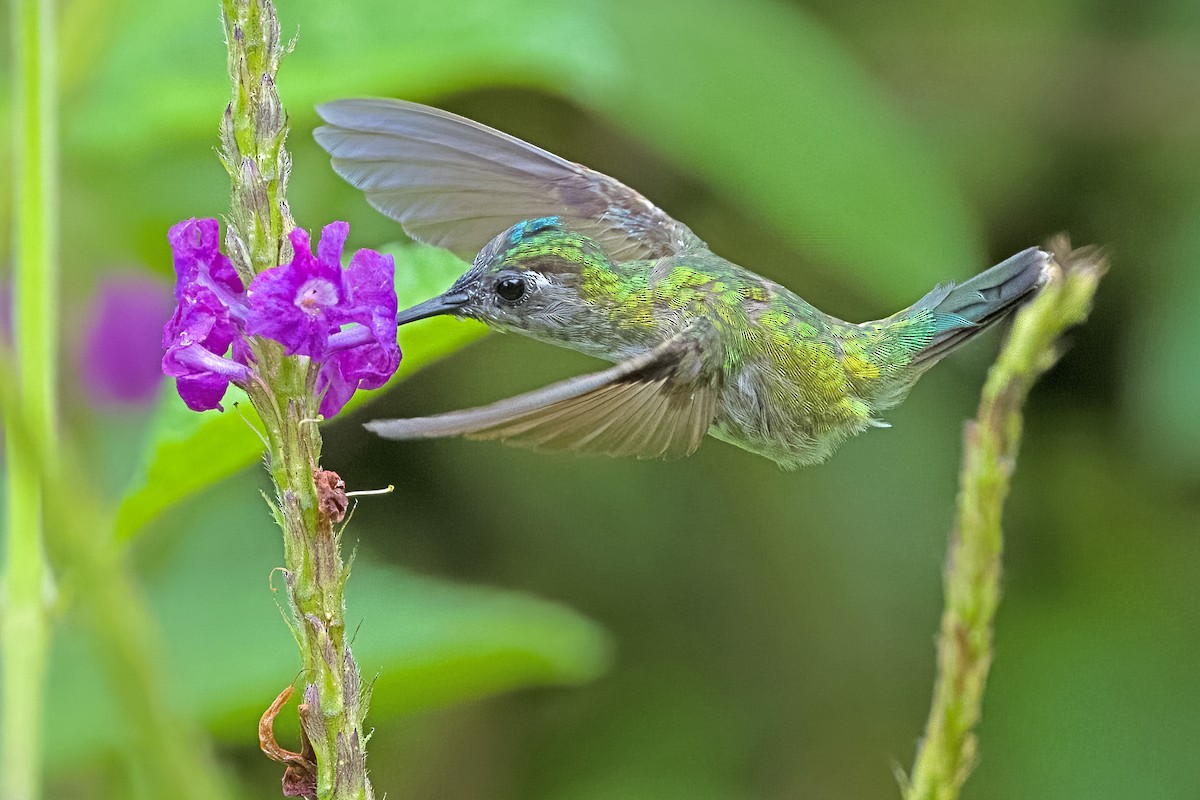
308	503
949	749
26	625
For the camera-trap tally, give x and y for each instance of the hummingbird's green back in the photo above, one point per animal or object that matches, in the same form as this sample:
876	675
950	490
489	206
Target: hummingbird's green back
795	381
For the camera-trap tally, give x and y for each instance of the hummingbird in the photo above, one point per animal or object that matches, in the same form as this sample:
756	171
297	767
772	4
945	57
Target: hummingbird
572	257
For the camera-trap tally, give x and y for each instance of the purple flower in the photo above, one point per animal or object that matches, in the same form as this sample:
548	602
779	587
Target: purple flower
344	321
119	361
196	339
304	305
301	303
211	302
198	259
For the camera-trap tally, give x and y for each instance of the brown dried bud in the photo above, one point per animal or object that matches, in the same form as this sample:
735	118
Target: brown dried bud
331	495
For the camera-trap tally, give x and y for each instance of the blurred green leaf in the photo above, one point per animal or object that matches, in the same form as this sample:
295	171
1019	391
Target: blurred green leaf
424	642
138	133
760	100
188	452
155	63
1165	385
657	741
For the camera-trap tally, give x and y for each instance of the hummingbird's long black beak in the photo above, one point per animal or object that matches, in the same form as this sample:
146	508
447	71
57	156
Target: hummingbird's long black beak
442	304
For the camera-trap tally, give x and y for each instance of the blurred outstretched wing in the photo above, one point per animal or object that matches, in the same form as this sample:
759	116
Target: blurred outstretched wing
455	183
657	405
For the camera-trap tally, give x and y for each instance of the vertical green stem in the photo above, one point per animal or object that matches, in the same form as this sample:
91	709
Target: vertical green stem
253	132
948	751
26	629
169	755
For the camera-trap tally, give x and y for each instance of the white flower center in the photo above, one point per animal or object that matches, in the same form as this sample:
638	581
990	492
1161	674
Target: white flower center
315	295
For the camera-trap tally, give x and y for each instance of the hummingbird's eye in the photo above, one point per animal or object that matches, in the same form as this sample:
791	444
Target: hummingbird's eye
511	289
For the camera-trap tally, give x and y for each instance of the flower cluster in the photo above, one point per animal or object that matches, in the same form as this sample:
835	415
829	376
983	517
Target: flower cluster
343	320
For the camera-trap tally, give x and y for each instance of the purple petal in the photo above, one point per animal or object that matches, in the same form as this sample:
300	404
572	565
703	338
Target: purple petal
202	392
367	366
119	361
201	376
196	245
334	388
200	318
193	358
196	339
371	365
241	352
370	281
302	328
364	355
333	241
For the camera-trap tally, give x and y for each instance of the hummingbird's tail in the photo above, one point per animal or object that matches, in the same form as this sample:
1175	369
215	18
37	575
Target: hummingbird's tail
964	310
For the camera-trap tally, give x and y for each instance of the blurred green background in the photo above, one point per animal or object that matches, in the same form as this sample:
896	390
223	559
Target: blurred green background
711	628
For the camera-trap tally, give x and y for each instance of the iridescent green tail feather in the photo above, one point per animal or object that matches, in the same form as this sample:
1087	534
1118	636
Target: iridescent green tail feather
964	310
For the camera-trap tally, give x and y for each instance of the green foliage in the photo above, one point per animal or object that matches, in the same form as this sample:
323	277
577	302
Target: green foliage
1165	392
861	195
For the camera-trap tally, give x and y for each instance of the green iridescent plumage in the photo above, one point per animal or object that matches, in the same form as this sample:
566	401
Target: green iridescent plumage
572	257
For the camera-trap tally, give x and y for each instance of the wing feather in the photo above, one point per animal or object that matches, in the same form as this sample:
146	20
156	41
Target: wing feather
656	405
455	183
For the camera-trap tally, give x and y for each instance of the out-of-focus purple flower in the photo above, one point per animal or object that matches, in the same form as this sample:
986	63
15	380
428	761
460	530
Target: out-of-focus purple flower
196	340
301	303
119	361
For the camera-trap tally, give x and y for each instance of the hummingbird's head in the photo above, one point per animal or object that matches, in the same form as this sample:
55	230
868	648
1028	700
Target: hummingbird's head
527	278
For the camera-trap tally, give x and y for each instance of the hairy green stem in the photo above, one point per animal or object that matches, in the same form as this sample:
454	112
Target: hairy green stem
26	628
948	750
308	502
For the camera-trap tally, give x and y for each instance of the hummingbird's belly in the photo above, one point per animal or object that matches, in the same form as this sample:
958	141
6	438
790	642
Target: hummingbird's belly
765	412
